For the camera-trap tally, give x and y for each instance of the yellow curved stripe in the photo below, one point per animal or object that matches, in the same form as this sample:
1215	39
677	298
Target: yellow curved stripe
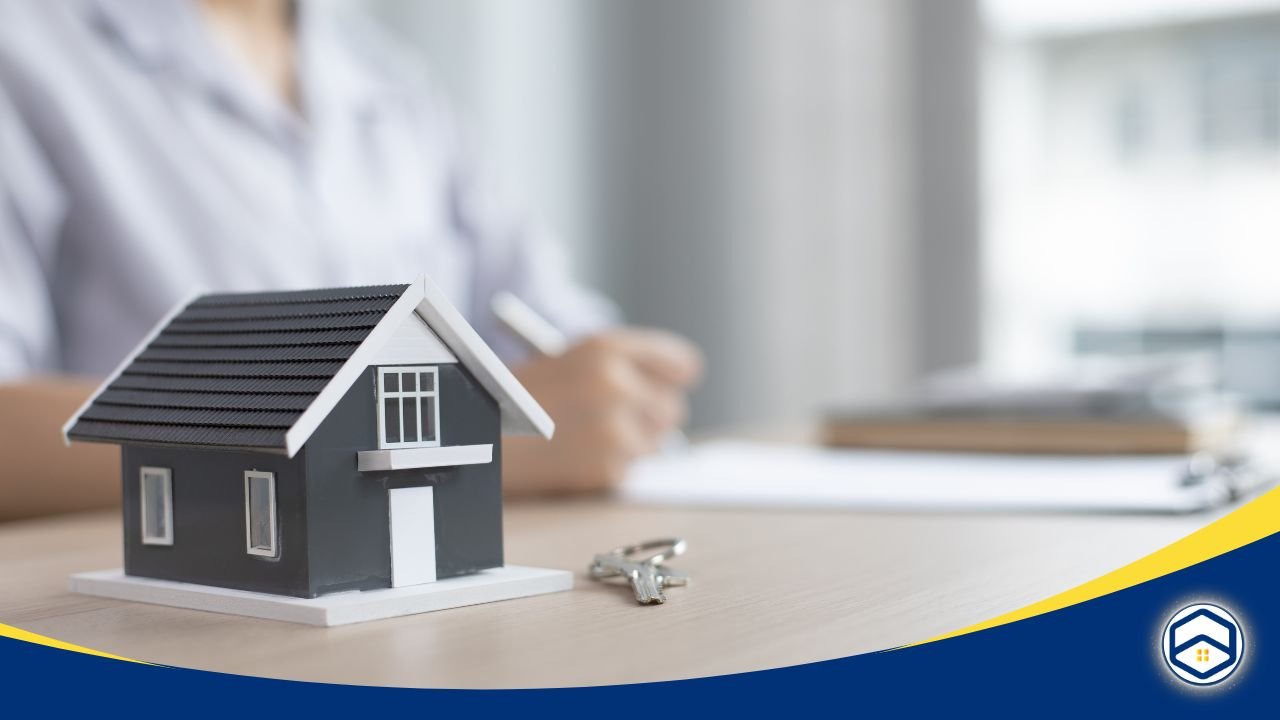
1246	524
10	631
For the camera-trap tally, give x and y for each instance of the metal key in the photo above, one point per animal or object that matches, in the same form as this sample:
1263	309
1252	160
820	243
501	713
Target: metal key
644	577
647	575
647	579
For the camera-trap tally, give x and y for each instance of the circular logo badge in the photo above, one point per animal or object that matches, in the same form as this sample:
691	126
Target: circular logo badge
1203	644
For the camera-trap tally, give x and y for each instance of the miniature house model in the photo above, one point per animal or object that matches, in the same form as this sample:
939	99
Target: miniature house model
307	443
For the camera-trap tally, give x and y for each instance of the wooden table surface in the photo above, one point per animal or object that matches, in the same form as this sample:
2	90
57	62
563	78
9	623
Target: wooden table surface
770	588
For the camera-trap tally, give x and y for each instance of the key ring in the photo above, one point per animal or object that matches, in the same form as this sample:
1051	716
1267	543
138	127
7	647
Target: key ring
671	547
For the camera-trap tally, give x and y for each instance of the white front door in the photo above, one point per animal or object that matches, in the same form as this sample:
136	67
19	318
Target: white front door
413	536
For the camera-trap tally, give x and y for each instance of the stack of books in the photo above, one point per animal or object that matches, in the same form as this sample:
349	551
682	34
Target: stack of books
1028	431
1109	407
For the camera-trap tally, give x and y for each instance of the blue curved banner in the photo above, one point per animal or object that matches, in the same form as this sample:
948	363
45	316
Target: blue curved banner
1093	659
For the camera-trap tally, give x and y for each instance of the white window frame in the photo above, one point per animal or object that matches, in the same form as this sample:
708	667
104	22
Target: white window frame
166	497
273	549
414	396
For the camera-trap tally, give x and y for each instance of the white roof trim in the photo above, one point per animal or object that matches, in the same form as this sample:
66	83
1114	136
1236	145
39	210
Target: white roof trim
414	344
521	414
159	327
351	370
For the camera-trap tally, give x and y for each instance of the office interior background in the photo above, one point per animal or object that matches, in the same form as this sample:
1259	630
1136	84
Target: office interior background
836	198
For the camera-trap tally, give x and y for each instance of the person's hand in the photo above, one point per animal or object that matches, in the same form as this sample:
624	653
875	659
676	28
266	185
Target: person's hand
614	397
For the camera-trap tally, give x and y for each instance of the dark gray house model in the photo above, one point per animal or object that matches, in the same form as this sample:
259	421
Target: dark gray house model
306	443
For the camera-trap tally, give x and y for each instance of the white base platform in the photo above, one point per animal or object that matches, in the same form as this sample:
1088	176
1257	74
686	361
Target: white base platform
506	583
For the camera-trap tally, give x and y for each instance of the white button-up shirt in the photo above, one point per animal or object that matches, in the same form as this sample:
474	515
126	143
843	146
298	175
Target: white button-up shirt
139	163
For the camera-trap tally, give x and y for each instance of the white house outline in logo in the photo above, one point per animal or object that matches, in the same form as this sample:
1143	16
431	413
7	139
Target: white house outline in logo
1202	644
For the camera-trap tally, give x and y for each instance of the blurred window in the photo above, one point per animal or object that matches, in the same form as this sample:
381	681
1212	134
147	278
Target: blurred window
1131	162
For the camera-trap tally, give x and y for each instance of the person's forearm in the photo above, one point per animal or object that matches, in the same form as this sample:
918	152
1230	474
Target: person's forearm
39	475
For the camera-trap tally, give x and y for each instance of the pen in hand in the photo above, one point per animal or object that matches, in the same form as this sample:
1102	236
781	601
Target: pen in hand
546	339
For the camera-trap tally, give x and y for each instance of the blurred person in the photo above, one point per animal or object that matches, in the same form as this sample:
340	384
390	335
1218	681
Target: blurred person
152	147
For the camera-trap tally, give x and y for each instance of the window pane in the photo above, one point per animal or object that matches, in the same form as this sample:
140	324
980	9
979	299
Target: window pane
428	419
260	513
410	413
154	523
391	419
407	419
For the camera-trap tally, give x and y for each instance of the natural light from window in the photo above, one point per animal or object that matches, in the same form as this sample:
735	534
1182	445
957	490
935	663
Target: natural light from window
1131	157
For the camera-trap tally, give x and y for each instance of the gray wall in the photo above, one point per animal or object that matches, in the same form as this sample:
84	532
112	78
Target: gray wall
752	168
945	47
208	521
348	510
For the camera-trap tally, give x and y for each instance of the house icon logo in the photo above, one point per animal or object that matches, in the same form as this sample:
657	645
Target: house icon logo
1203	644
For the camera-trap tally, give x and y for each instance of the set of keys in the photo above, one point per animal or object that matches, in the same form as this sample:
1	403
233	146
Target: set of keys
644	566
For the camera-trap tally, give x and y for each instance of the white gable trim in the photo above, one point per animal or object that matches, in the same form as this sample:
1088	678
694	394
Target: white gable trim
128	360
351	370
521	414
413	343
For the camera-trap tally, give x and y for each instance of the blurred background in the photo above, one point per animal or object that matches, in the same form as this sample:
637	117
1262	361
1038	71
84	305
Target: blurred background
837	198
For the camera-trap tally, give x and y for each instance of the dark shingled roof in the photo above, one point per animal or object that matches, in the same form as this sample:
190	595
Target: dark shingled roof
235	369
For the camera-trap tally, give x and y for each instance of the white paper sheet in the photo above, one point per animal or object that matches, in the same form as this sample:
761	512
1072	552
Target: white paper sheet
739	474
